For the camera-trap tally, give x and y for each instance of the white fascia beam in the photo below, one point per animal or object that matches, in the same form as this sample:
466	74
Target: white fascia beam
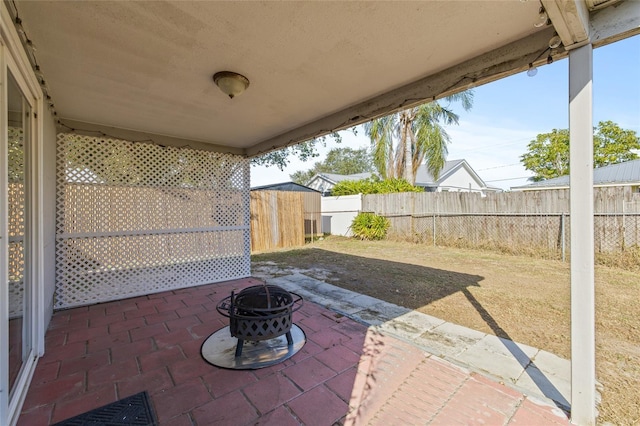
485	68
570	18
66	125
617	22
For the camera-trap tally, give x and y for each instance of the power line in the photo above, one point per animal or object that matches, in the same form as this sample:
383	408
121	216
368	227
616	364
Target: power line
498	167
515	178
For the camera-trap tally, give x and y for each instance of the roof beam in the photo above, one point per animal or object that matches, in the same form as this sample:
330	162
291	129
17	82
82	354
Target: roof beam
65	125
570	19
496	64
614	23
605	26
576	27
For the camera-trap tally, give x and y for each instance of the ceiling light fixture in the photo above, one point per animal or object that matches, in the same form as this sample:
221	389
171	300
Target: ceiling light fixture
231	83
532	71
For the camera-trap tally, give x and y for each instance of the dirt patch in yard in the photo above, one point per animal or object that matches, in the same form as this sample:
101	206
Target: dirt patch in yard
520	298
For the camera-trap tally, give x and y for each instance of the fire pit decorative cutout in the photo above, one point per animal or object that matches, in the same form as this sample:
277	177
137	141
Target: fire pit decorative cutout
262	316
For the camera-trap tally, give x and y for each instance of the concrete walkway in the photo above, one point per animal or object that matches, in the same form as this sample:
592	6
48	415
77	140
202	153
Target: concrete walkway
531	371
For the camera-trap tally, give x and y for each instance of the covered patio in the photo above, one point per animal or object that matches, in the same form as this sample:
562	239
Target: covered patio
125	176
347	372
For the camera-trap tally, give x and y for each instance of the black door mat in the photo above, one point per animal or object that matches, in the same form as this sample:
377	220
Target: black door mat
134	410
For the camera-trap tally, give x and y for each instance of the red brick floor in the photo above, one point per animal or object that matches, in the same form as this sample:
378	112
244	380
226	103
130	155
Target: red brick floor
345	373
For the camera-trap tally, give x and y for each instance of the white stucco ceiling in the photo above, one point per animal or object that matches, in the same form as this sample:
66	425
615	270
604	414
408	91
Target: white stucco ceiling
148	66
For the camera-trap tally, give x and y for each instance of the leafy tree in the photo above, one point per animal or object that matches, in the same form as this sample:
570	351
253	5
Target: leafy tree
401	142
280	158
342	161
304	151
548	154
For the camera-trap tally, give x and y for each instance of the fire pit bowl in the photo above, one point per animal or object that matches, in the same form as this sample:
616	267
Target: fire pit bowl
260	312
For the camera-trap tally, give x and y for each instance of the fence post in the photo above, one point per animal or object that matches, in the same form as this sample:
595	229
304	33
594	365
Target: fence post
412	230
562	231
414	234
624	229
434	230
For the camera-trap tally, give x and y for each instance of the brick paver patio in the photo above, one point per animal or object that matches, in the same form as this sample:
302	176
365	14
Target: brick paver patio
346	373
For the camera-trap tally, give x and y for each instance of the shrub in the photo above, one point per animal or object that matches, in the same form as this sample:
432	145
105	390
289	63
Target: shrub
370	226
351	187
373	186
396	185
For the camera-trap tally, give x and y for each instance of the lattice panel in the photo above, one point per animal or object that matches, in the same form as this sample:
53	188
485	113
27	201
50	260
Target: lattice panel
137	218
16	220
16	279
16	163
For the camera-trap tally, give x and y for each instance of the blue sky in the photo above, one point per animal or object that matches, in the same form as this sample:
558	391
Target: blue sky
509	113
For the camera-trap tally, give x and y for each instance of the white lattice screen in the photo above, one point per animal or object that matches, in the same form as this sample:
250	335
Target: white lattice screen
136	218
16	204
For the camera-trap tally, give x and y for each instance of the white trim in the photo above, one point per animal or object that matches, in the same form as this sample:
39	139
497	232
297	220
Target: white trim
22	387
34	289
443	176
93	129
4	227
17	53
151	232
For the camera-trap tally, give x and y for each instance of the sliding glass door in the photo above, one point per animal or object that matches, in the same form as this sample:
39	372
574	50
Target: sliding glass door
19	230
21	334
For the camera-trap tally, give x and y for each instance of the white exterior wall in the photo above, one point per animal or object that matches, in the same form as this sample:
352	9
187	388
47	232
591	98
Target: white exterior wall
460	181
338	213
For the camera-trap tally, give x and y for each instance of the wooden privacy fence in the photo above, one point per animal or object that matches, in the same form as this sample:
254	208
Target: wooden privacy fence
279	218
312	214
606	200
518	222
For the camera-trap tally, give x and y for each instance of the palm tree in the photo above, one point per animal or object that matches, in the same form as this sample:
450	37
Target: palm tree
413	136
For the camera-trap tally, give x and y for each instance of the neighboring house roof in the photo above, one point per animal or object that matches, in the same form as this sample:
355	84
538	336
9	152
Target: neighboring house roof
284	186
324	182
335	178
621	174
423	177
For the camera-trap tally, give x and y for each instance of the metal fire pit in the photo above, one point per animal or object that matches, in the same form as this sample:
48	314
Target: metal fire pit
260	312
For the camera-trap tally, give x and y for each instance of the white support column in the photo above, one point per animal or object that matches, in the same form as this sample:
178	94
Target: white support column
583	393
